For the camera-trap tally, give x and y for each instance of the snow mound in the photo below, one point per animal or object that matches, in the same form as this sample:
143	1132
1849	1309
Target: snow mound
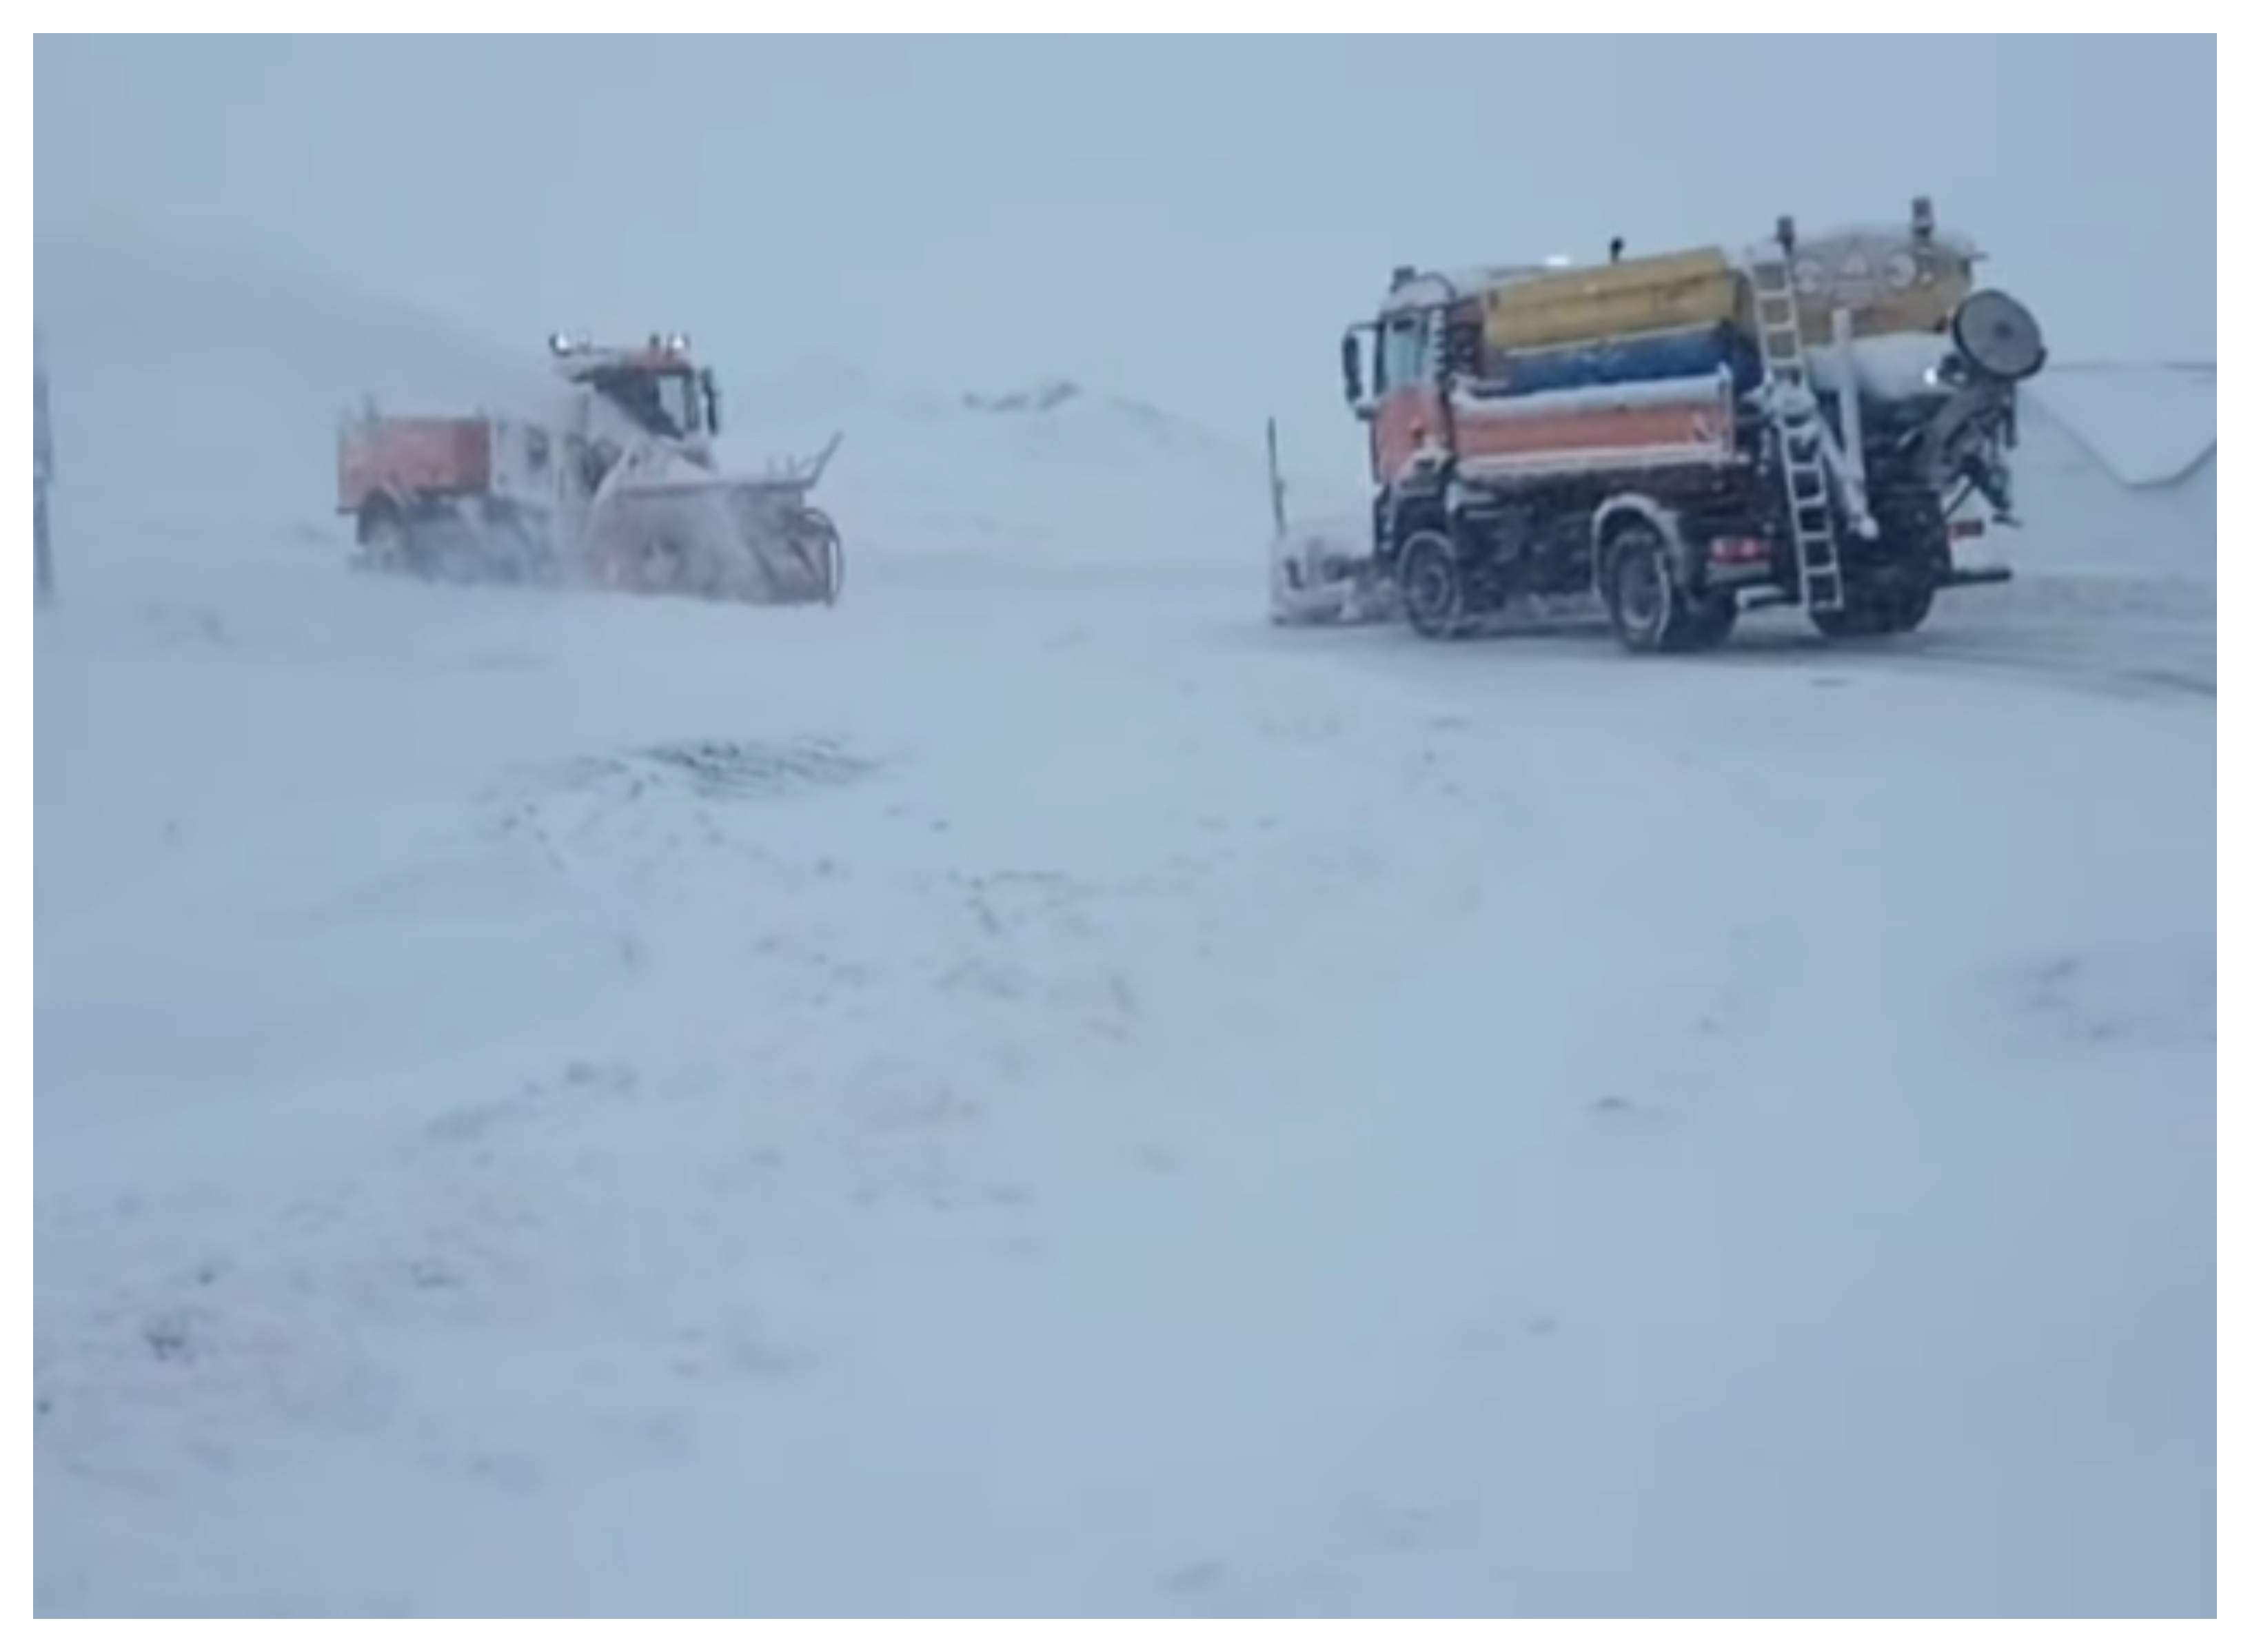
1052	475
2148	425
1042	398
2099	497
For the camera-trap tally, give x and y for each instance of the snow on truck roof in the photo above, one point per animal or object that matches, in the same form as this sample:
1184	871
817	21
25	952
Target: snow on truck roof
576	358
1412	289
1421	288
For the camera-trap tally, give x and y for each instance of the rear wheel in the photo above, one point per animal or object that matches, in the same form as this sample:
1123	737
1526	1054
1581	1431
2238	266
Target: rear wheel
1711	622
1880	613
1430	584
1910	609
1648	610
1853	620
383	543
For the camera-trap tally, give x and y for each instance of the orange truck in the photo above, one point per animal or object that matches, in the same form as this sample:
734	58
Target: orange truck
1813	422
614	483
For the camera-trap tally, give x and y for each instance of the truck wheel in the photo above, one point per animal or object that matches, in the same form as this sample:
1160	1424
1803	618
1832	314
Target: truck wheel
1853	619
1648	611
1430	582
1710	622
1883	612
826	555
1908	609
383	541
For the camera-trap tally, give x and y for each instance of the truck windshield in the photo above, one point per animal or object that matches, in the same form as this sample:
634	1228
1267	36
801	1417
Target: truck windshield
1402	355
663	404
682	407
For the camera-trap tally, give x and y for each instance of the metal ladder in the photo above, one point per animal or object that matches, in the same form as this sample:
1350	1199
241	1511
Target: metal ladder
1797	420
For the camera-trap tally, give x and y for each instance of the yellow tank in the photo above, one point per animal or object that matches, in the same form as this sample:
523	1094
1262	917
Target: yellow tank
1890	282
1701	288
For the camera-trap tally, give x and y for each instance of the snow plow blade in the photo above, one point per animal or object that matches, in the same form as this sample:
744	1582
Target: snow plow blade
1322	574
659	525
1323	579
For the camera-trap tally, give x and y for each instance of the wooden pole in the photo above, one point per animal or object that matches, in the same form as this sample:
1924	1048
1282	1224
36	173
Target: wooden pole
43	470
1274	478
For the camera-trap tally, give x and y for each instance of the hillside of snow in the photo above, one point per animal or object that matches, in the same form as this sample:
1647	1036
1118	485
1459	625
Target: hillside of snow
196	391
1035	1091
2148	425
1048	477
2117	475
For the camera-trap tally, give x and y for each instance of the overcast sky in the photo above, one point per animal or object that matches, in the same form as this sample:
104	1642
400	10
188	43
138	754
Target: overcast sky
1191	221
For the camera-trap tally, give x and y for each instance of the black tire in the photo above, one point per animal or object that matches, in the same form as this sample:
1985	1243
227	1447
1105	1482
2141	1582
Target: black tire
1648	611
1839	624
384	543
1908	609
1711	622
1885	613
1430	585
823	533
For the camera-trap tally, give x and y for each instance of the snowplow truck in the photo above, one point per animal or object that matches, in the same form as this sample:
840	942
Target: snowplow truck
613	481
1818	422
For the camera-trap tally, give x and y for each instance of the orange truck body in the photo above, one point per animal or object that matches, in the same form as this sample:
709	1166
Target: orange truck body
410	459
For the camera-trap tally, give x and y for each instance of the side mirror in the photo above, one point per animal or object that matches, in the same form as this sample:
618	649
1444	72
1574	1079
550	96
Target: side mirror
1352	384
710	400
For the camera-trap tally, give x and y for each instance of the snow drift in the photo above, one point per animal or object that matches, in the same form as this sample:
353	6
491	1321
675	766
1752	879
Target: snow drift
2118	473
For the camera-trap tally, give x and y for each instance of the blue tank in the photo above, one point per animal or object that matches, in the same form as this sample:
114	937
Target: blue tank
1688	352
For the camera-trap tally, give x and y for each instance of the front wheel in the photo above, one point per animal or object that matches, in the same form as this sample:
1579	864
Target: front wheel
1430	584
827	554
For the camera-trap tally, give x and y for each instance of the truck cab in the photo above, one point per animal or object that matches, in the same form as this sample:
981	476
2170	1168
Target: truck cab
1396	366
657	387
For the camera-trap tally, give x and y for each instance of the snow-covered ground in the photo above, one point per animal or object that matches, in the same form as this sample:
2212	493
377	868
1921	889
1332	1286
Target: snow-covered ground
1035	1091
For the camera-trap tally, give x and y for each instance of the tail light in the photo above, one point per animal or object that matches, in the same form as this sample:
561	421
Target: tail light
1968	527
1729	550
